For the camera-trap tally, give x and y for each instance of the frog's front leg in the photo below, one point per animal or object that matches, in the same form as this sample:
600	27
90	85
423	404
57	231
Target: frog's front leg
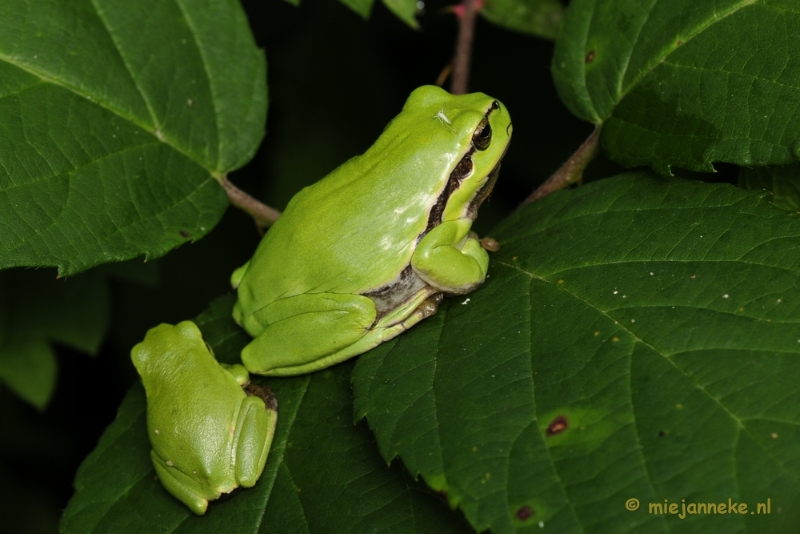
450	260
306	332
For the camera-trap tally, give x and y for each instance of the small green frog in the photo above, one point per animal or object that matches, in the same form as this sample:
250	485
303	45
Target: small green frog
367	252
208	435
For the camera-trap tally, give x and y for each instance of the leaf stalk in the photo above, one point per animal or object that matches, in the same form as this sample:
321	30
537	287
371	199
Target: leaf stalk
572	169
263	215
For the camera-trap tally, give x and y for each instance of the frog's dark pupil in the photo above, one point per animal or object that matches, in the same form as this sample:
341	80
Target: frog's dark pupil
482	137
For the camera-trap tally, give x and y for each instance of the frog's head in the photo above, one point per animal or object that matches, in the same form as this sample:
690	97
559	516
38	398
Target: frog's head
481	127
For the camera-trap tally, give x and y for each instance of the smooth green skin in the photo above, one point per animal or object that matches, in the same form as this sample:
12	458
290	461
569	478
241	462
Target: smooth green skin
325	283
208	436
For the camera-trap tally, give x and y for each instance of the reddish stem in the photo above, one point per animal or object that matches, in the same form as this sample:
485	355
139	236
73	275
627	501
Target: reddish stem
466	33
261	213
572	170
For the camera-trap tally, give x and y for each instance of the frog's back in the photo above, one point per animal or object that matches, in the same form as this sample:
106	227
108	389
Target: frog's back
182	379
319	246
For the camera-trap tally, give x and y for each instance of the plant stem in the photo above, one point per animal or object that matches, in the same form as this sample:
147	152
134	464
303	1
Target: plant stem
261	213
466	33
572	170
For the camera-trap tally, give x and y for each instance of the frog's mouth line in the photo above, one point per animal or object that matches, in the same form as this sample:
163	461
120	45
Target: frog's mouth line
457	175
486	190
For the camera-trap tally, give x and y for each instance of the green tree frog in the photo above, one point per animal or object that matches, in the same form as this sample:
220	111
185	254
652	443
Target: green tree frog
366	252
208	435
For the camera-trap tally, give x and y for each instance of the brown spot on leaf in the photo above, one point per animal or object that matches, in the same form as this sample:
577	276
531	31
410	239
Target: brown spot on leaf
558	425
590	56
526	512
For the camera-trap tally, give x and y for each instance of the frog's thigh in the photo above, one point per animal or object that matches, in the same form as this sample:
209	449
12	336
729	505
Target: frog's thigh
303	329
442	262
179	485
255	428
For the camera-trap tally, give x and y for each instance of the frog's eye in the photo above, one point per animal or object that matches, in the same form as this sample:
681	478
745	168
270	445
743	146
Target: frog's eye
482	136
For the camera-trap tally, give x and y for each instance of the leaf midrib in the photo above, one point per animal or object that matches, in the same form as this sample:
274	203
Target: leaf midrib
656	59
153	129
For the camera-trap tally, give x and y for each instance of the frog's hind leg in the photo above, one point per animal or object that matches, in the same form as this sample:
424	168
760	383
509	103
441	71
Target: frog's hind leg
184	488
300	333
255	428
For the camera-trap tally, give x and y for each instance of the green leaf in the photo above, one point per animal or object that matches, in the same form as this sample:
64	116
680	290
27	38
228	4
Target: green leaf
118	121
405	10
783	182
323	473
361	7
685	83
638	338
537	17
29	370
35	310
36	305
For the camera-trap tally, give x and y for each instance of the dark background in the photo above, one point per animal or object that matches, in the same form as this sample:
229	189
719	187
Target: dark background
334	82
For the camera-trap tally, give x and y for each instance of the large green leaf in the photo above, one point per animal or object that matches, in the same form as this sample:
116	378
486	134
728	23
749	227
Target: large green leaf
323	473
118	119
638	338
685	83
